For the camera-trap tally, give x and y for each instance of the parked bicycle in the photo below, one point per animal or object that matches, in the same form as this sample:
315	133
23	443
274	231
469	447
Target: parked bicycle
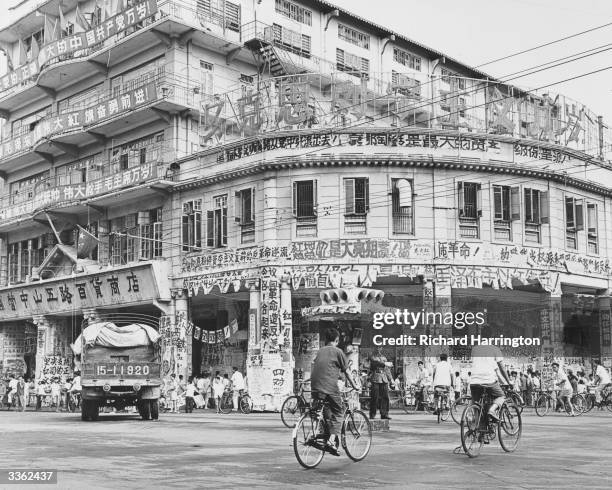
74	401
547	401
245	404
294	406
414	400
477	428
311	433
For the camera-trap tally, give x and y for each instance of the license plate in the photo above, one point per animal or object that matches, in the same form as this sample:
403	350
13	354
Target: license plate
130	369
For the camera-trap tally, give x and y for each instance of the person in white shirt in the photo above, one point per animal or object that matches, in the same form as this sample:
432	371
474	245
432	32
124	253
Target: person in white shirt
487	369
442	379
237	385
204	388
217	389
190	391
562	383
12	393
457	385
602	378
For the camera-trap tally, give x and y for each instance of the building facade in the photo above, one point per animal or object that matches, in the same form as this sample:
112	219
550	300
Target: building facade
253	172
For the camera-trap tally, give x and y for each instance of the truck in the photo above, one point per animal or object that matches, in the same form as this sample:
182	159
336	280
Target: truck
119	356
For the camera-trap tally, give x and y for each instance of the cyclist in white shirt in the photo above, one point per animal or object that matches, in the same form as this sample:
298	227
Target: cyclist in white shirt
487	369
602	378
442	379
561	382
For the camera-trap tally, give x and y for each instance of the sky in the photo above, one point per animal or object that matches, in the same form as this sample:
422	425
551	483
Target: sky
477	31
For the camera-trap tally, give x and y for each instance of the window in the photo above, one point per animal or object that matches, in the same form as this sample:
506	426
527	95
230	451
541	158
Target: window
192	225
452	78
536	212
355	65
124	239
207	72
357	204
506	208
574	221
353	36
402	206
245	217
219	12
25	189
150	224
291	40
305	207
96	16
22	257
293	11
69	29
216	223
407	59
470	209
592	229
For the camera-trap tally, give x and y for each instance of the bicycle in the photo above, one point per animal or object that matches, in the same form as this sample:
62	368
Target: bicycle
226	404
311	433
74	401
475	433
515	398
442	405
458	406
590	401
412	400
294	407
546	402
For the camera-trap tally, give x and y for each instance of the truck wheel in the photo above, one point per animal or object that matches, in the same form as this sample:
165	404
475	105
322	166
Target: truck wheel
154	409
85	410
145	411
95	410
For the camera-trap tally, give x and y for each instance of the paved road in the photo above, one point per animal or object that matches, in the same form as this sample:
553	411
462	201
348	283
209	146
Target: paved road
206	450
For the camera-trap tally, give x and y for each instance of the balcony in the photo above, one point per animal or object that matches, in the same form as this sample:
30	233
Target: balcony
137	103
174	20
138	182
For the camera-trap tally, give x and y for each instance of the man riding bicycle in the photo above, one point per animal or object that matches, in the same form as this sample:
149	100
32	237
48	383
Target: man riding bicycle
442	379
328	365
421	383
602	380
487	369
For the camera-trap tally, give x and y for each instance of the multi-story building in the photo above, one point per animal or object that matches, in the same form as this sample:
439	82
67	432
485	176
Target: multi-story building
220	164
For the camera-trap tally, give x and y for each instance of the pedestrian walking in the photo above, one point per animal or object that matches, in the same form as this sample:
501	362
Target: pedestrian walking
218	387
21	394
190	391
379	389
237	385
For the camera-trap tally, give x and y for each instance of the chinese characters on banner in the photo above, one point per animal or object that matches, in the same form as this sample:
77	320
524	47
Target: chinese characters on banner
82	41
270	310
134	285
55	367
174	351
90	116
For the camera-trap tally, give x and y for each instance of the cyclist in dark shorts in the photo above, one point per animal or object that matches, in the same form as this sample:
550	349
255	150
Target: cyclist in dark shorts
487	369
328	365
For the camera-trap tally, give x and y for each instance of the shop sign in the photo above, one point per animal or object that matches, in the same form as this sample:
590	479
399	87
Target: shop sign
133	285
74	192
54	125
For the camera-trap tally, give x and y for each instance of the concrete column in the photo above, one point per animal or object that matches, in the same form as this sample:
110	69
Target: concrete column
175	342
603	330
44	342
442	306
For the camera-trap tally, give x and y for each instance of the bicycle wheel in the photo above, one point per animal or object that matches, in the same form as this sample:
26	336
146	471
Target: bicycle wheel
246	404
510	427
308	445
579	404
356	435
226	404
542	405
291	411
457	408
471	438
607	401
444	409
589	402
409	402
517	401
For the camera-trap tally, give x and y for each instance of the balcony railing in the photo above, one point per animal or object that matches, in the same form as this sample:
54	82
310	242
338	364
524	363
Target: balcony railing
108	106
49	195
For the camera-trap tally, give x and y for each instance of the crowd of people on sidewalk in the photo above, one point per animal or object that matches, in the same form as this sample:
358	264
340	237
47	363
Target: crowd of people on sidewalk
201	391
19	392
